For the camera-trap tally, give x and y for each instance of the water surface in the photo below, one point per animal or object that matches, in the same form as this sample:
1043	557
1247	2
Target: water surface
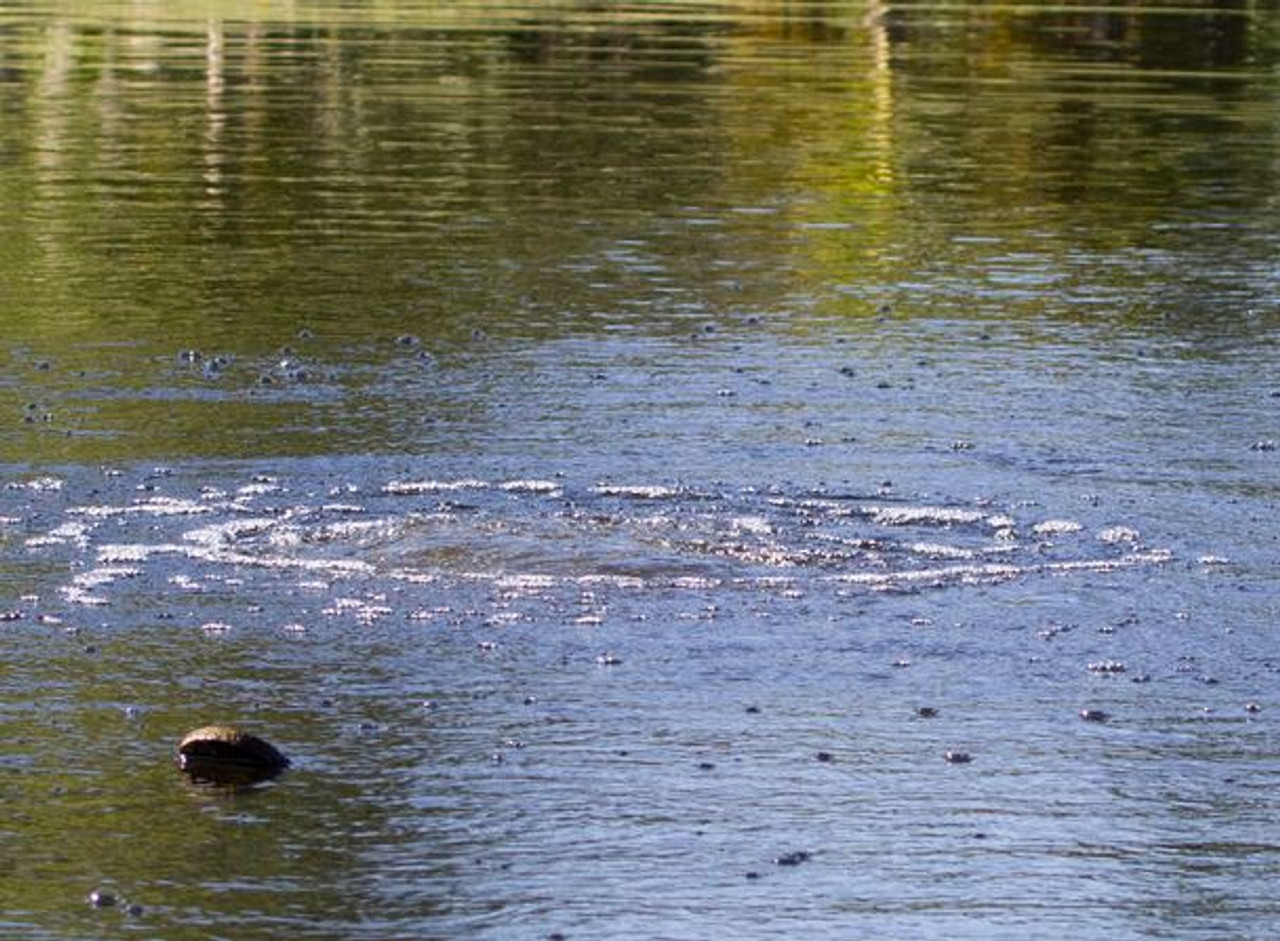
584	436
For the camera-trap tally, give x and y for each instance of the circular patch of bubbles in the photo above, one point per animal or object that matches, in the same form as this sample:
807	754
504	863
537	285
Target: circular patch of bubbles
546	532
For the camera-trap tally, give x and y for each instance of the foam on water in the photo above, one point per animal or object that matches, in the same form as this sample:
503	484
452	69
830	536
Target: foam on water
402	488
532	533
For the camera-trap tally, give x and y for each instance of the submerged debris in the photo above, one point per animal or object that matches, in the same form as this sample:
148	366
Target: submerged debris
793	859
102	898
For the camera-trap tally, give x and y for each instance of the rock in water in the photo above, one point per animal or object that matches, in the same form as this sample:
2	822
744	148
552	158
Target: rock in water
223	753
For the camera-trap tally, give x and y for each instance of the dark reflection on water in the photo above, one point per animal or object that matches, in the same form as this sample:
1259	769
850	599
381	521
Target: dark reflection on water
556	426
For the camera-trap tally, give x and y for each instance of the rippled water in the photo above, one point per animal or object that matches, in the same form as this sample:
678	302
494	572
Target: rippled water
618	452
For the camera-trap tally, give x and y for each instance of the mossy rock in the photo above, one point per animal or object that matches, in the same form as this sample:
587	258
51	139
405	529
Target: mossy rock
215	747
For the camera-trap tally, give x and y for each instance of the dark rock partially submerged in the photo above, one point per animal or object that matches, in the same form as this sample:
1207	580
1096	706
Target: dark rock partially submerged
225	754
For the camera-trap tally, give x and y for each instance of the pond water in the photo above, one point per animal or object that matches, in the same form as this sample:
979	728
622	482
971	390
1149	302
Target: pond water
620	451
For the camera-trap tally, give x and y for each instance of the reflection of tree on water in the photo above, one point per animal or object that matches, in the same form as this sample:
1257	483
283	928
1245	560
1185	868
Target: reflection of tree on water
335	145
1149	35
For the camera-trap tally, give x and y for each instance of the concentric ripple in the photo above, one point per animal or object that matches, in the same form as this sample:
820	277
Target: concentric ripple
552	531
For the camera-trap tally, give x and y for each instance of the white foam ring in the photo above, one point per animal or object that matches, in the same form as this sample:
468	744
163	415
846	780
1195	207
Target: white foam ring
231	531
40	485
1056	527
754	525
935	550
155	506
105	575
74	594
522	583
66	533
403	488
530	486
213	554
923	515
1115	534
991	572
345	567
637	492
749	539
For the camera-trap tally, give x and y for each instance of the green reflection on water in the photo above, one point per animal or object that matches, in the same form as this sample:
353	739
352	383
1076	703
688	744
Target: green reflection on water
218	177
